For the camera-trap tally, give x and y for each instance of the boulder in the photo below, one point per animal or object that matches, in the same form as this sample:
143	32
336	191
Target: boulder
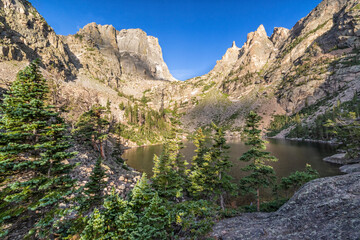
340	158
350	168
326	208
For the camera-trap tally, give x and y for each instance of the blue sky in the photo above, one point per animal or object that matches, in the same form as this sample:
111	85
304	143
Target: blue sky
193	34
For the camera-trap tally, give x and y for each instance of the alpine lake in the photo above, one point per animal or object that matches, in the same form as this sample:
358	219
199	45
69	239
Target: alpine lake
293	156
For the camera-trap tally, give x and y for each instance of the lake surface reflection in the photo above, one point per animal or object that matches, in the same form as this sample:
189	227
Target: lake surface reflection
292	156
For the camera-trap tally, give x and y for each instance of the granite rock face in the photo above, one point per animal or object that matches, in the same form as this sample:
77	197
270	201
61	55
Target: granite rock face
254	54
107	54
350	168
279	36
25	35
318	59
229	59
327	208
111	55
341	159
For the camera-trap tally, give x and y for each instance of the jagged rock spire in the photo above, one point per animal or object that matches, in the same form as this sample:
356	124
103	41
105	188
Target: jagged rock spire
261	30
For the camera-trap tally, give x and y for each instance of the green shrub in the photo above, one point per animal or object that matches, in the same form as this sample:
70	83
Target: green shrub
147	216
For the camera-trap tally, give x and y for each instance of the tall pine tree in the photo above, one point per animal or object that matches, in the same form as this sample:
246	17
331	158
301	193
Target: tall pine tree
170	171
94	128
221	165
261	174
209	173
94	187
199	165
34	176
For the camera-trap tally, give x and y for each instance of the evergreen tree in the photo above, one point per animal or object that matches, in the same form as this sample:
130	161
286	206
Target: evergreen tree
261	174
170	171
347	130
105	224
221	165
155	220
143	216
142	194
94	187
209	174
34	176
199	166
117	154
92	127
297	179
122	106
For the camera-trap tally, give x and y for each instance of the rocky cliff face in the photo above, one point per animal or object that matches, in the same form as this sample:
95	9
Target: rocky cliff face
317	60
326	208
25	35
113	56
279	36
255	53
228	60
101	62
107	54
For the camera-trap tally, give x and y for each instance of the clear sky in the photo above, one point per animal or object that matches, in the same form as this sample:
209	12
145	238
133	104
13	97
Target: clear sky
193	34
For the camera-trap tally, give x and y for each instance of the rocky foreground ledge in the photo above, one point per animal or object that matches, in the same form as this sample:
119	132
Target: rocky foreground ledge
326	208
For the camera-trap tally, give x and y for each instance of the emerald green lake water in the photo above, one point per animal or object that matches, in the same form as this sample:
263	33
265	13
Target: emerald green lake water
292	156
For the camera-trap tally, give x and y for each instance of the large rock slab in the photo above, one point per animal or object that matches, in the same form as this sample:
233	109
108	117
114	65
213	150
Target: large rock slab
341	159
350	168
326	208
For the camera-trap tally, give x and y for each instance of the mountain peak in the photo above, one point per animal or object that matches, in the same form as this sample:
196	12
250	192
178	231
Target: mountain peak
132	52
279	36
234	45
261	30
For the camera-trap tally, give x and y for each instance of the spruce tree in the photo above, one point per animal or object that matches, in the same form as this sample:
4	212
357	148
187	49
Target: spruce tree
298	178
34	173
94	187
92	127
261	174
143	216
155	220
199	165
170	171
347	131
117	154
106	224
209	173
221	165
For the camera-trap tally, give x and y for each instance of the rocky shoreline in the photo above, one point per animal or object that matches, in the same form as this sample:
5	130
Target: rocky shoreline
331	142
341	159
325	208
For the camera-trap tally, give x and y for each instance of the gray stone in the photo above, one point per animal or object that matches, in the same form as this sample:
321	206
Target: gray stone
327	208
340	158
350	168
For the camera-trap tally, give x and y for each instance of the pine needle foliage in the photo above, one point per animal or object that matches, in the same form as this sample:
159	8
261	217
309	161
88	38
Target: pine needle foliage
93	128
298	178
146	215
143	216
261	175
34	176
222	182
170	173
209	176
199	167
94	187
